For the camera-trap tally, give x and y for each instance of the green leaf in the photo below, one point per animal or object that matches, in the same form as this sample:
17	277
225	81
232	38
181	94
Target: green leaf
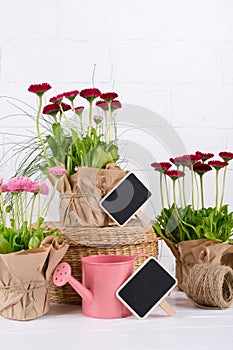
57	131
34	242
5	246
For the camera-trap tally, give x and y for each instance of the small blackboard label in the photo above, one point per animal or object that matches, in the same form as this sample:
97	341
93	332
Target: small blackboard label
146	288
125	199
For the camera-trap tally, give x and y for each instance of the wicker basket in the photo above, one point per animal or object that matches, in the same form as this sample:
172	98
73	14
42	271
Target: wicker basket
85	241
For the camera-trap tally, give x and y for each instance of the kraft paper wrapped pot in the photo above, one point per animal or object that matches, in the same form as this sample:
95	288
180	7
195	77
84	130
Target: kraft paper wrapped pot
80	195
190	253
24	279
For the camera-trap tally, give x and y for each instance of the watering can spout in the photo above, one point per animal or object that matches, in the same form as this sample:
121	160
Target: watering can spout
84	292
62	275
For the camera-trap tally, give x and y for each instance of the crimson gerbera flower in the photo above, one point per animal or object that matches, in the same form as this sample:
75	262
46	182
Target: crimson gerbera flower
90	94
109	96
191	158
201	168
115	104
181	160
71	95
79	110
51	109
39	89
226	156
175	174
65	106
161	167
56	99
102	104
217	164
204	156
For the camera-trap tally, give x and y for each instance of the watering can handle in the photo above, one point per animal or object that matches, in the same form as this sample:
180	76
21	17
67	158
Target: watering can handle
137	255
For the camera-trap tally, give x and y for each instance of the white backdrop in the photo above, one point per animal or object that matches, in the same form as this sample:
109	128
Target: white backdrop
174	57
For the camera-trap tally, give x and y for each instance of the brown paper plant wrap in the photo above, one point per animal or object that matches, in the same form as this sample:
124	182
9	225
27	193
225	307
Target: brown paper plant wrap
81	193
24	279
190	253
210	285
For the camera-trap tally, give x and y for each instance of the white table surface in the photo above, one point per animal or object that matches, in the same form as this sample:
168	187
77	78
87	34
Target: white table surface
64	327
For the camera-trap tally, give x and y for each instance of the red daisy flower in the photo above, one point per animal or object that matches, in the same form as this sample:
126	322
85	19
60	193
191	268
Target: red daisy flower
115	104
181	160
79	110
191	158
161	167
201	168
39	89
109	96
71	94
205	156
102	104
217	164
56	99
175	174
90	94
226	156
65	106
51	109
98	119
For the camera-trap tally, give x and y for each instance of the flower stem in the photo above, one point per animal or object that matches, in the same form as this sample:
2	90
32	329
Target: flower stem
223	186
183	188
179	186
106	126
75	116
202	191
192	178
38	211
174	192
31	214
64	115
216	194
93	76
195	178
161	190
16	212
21	206
2	212
90	118
38	130
110	120
166	189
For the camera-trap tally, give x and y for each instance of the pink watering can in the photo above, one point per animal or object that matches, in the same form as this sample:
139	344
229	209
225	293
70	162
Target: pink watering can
102	275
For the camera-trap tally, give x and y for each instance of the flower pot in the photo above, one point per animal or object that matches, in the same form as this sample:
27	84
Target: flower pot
190	253
24	279
80	195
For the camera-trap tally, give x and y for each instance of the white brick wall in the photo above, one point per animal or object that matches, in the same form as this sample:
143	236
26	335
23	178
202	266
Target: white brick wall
174	57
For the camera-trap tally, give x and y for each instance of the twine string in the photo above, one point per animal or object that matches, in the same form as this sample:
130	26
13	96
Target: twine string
210	285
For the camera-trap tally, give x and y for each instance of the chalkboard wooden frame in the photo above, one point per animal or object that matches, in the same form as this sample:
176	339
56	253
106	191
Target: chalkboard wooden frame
125	199
147	288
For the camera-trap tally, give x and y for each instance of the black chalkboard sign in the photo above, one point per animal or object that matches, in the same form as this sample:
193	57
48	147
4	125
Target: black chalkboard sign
125	199
146	288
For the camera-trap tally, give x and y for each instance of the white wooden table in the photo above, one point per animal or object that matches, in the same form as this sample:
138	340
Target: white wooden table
64	327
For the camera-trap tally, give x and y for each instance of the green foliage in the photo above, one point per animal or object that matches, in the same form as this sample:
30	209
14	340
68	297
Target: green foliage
179	224
74	151
12	240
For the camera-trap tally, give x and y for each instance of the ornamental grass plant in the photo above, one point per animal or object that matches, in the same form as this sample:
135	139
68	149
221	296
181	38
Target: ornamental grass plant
179	220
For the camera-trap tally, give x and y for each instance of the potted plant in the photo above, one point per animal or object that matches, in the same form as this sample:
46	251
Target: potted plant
195	233
28	251
86	151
